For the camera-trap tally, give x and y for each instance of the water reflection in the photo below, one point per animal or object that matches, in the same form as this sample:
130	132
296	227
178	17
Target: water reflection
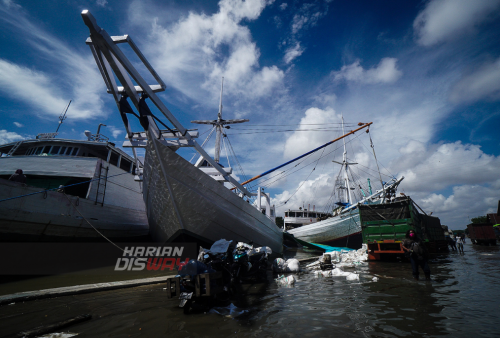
460	301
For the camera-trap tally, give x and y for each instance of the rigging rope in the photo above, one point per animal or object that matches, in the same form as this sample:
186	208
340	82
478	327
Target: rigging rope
304	180
204	142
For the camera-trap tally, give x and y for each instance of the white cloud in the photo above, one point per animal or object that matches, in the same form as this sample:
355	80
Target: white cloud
10	4
116	131
200	49
308	16
484	83
30	86
444	165
316	192
385	72
9	136
443	20
17	124
466	201
293	52
283	6
75	77
101	3
301	142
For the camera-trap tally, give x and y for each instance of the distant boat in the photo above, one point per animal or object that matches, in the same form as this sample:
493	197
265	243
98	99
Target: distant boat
184	202
295	218
343	228
100	184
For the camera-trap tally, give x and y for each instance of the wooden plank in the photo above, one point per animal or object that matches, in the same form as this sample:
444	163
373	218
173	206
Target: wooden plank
79	289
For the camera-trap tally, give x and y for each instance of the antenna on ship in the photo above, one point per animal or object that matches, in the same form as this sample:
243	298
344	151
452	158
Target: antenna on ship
218	125
62	117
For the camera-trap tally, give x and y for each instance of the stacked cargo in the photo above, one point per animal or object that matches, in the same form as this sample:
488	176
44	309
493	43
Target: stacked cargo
384	228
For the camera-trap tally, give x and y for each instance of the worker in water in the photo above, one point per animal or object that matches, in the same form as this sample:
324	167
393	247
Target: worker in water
417	253
460	243
18	177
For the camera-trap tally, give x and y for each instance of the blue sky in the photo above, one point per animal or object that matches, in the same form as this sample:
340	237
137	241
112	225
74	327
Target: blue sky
427	73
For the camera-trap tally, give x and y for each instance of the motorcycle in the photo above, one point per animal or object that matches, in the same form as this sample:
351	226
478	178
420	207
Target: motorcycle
213	277
249	263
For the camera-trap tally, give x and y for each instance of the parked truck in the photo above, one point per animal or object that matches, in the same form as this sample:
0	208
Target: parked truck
482	234
384	227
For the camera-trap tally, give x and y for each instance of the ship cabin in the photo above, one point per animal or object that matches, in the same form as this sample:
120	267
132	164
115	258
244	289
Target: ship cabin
49	162
300	217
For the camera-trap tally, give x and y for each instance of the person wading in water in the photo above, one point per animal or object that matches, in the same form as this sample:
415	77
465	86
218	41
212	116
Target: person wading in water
414	247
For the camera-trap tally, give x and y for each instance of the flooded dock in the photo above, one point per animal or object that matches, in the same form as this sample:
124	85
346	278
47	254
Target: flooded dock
461	300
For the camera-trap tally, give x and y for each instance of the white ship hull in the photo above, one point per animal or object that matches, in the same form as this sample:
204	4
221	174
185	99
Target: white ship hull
342	230
51	217
181	200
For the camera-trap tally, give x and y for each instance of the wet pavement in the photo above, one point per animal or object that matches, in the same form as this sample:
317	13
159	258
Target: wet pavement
461	300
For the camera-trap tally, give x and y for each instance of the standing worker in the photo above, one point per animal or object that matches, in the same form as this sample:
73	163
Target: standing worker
413	246
453	242
460	243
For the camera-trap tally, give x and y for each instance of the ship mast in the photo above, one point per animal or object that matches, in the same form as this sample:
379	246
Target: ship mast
218	124
345	165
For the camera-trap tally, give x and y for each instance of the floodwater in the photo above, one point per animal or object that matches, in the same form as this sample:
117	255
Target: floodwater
461	301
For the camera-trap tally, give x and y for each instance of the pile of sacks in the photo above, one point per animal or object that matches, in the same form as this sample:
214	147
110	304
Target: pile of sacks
290	265
331	263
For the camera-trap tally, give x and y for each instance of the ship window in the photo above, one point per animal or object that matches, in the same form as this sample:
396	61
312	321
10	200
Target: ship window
286	214
114	158
68	152
75	151
63	150
312	214
55	150
39	150
292	214
125	165
46	150
28	151
299	214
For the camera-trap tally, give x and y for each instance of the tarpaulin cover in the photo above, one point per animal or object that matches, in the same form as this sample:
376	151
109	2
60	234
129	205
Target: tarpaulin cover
380	212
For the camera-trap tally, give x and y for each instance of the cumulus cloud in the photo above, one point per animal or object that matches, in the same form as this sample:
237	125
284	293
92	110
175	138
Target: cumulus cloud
202	48
465	202
443	20
51	93
316	192
385	72
293	52
9	136
444	165
301	142
17	124
283	6
484	83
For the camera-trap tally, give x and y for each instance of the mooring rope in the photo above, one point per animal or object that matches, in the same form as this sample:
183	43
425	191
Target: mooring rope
100	233
70	185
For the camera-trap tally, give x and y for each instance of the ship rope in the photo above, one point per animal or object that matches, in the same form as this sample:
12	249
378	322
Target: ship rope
304	181
233	154
61	187
86	220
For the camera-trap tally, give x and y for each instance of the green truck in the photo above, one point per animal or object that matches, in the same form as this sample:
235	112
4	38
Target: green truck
384	227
